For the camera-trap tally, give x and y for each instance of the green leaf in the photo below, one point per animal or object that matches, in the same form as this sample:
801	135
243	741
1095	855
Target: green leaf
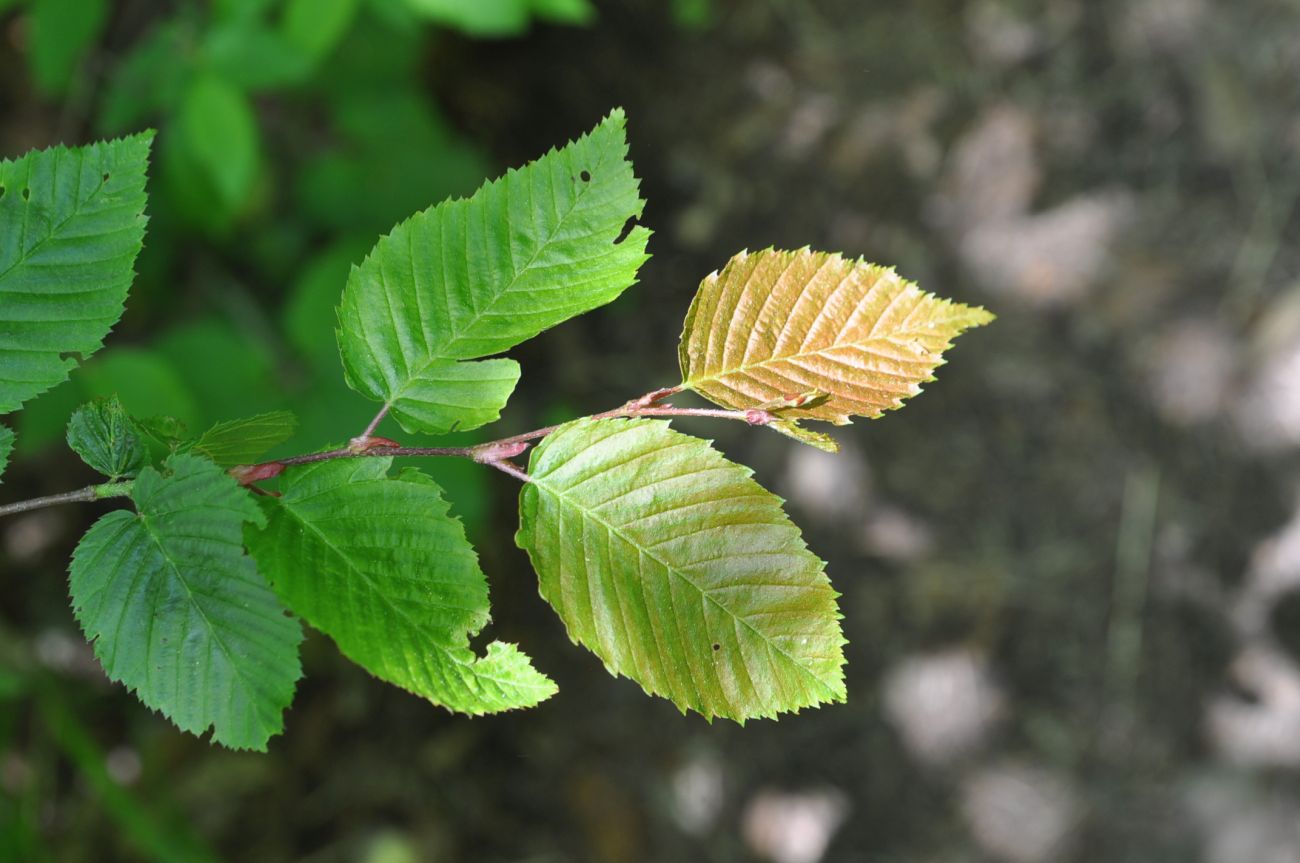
107	438
314	27
218	135
242	441
680	571
471	278
61	33
248	53
6	446
773	324
500	17
179	614
166	430
380	566
71	224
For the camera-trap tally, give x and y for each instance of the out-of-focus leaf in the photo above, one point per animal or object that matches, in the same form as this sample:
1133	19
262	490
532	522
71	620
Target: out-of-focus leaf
149	79
71	224
773	323
678	570
543	241
501	17
379	565
61	33
242	382
309	312
179	614
107	439
314	27
218	134
250	54
242	441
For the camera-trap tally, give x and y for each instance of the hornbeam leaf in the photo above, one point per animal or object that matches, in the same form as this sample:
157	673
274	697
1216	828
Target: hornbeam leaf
241	441
679	571
71	224
774	323
178	613
379	565
6	446
107	438
471	278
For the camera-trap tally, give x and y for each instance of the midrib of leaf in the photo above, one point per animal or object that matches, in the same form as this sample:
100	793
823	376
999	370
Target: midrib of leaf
506	289
542	484
56	228
863	346
215	631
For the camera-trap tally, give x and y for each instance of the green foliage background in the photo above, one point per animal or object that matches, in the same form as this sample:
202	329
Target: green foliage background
1084	539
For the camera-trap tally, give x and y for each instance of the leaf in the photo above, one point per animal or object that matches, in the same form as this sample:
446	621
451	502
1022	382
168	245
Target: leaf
679	571
242	441
500	17
166	430
71	224
471	278
107	438
219	136
774	323
178	613
6	446
380	566
62	31
314	27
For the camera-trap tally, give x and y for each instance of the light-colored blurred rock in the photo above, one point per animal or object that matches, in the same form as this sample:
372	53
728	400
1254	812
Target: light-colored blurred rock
944	706
1264	731
1190	369
698	792
1021	814
891	533
834	488
1168	26
999	35
793	826
1237	824
1268	413
993	173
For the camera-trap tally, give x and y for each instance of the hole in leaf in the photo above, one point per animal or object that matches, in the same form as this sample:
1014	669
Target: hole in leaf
627	229
106	175
2	191
27	194
716	647
585	176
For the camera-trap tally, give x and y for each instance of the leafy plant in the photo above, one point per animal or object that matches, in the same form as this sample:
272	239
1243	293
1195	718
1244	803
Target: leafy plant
665	559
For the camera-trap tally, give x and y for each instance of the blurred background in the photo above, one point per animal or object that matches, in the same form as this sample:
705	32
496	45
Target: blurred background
1070	569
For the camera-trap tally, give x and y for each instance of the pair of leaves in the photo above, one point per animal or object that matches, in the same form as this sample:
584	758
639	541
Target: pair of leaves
467	279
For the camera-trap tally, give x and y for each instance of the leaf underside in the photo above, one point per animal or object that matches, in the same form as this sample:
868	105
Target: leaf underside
71	224
470	278
679	571
773	324
179	614
244	440
379	565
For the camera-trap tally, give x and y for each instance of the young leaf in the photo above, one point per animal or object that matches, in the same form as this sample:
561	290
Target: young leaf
379	565
71	224
178	613
107	438
680	571
471	278
6	447
773	323
244	440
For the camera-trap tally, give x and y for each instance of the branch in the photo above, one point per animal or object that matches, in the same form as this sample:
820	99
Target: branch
81	495
496	454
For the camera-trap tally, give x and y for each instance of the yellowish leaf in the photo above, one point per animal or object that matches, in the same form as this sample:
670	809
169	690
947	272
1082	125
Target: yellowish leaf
773	325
